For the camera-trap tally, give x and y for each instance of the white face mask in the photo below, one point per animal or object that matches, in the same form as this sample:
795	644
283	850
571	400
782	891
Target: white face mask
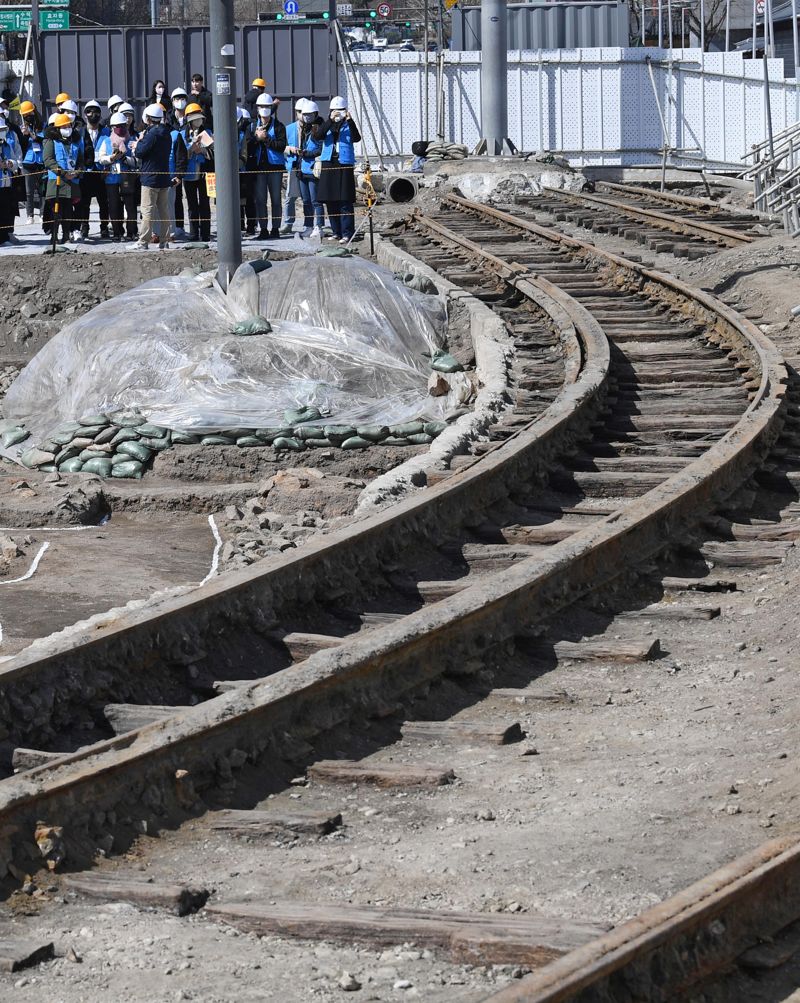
71	115
65	133
264	112
337	116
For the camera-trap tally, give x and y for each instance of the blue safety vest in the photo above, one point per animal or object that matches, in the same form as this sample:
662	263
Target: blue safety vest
101	132
243	134
175	136
273	156
33	155
120	167
292	139
343	146
194	169
7	152
311	151
66	155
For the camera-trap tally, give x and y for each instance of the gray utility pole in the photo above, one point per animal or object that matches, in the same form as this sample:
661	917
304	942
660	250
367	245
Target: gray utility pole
154	13
226	139
494	83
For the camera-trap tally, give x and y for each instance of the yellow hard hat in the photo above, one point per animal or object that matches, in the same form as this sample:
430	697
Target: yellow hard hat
27	108
193	109
62	121
61	98
258	82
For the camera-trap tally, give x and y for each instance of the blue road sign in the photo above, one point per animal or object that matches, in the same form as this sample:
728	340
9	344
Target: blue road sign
291	7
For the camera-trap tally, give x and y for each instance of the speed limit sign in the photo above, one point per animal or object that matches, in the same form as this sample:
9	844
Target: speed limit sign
384	9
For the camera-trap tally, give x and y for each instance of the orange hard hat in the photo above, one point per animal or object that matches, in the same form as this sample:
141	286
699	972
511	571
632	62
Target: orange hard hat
62	121
193	109
27	108
61	98
258	82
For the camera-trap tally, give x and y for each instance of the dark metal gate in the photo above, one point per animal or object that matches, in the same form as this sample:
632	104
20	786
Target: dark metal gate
295	60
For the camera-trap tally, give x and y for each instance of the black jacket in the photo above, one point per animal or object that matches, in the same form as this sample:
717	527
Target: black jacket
153	151
250	99
205	100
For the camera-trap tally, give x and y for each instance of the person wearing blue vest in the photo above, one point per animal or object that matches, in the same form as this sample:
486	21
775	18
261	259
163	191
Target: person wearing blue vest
10	157
269	141
301	156
32	153
93	179
115	154
337	183
63	158
199	159
292	168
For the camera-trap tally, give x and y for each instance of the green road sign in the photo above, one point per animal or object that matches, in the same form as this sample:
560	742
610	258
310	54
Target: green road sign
19	20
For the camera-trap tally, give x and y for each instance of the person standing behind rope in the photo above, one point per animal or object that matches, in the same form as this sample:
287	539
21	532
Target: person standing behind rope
199	158
245	187
306	150
292	167
269	139
63	158
93	180
153	153
337	183
10	156
32	153
115	152
177	120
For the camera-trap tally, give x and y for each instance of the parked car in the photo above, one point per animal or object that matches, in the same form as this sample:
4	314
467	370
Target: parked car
408	47
433	47
380	43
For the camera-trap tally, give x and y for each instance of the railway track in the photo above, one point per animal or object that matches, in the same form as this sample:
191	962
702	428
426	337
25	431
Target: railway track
638	404
663	223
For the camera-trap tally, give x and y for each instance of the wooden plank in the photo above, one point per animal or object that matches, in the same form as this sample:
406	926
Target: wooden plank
29	759
773	954
277	822
304	645
745	531
673	611
534	696
346	771
474	938
675	584
601	649
496	556
124	717
434	591
746	554
380	619
491	732
180	899
226	685
17	953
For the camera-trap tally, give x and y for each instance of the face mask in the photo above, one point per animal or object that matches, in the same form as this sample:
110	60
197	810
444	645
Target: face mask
308	119
337	116
180	103
71	115
121	131
196	123
159	91
65	133
93	115
265	112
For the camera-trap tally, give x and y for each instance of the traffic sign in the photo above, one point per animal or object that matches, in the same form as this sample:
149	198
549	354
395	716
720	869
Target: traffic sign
290	7
19	20
760	6
344	10
384	9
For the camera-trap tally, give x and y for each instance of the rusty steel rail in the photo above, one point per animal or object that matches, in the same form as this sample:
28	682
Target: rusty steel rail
167	763
681	201
708	232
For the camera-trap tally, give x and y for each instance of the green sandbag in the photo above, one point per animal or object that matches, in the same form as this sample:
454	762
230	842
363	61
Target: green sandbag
70	466
89	431
395	440
120	458
253	325
63	436
184	438
100	465
237	433
129	469
106	435
15	435
338	433
125	435
49	446
48	468
91	454
409	428
217	440
420	439
301	415
434	428
156	444
135	450
318	443
6	424
309	432
152	431
443	362
194	245
68	453
94	419
270	434
375	433
34	457
260	265
127	419
356	442
287	442
333	252
248	440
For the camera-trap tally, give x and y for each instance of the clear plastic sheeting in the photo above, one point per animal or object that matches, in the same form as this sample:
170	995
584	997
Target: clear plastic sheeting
348	339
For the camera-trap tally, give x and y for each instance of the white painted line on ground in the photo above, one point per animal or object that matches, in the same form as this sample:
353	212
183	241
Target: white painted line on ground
215	559
45	529
31	570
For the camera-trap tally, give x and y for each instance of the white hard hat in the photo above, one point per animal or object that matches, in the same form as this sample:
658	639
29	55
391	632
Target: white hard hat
53	117
264	99
311	108
299	104
114	99
242	113
91	104
126	108
179	92
154	111
118	118
4	112
338	104
69	106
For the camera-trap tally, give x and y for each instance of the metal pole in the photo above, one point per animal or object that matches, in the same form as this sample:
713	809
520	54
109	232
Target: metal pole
642	14
154	13
702	26
669	23
727	25
440	74
494	73
794	40
226	155
36	59
768	110
754	28
427	84
661	24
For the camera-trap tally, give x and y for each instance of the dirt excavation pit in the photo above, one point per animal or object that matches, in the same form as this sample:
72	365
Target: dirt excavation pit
83	544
